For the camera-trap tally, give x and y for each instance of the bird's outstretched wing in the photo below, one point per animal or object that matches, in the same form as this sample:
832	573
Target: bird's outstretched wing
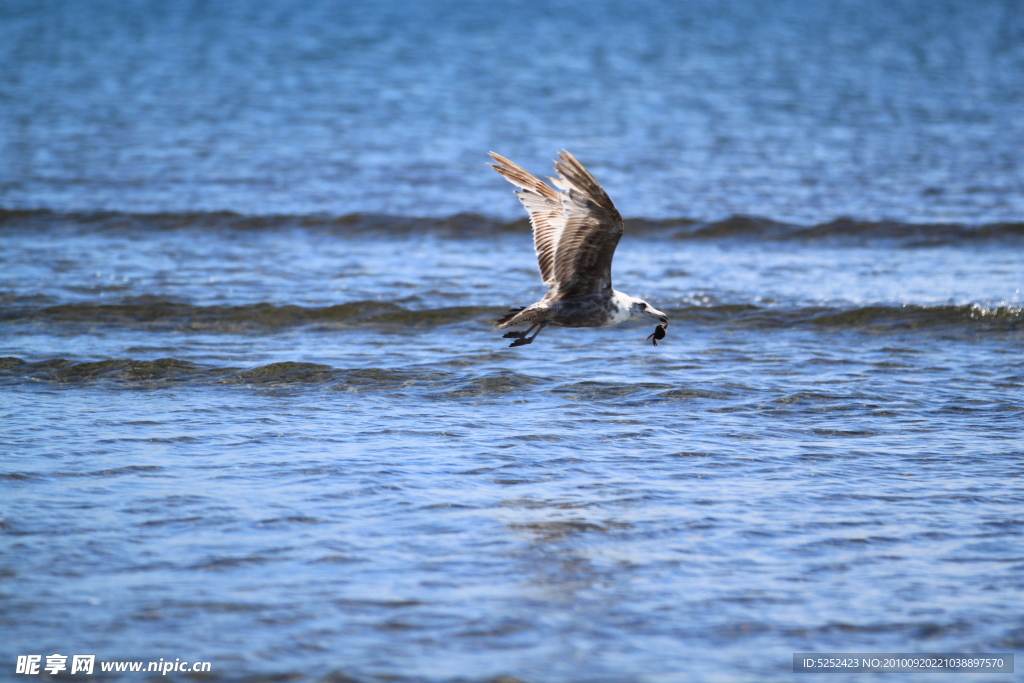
544	205
575	231
593	227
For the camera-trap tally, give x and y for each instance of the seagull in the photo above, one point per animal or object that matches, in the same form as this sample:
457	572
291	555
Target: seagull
575	233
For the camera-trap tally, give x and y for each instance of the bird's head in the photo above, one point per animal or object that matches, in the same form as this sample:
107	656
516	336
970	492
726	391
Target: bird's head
639	308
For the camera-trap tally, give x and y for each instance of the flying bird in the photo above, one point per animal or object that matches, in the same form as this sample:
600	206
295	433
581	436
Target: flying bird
575	232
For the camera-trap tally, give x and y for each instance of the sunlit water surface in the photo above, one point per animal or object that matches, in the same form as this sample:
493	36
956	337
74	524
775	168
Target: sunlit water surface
252	410
210	456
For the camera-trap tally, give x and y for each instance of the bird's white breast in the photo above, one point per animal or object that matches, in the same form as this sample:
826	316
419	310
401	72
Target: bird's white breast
622	305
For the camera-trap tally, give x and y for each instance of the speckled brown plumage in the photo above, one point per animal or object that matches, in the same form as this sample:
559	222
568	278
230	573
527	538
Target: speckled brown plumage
575	233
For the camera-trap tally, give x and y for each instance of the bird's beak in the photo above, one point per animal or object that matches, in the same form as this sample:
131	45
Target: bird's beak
655	313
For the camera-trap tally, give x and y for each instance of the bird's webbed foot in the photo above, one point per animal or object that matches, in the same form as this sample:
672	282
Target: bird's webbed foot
523	338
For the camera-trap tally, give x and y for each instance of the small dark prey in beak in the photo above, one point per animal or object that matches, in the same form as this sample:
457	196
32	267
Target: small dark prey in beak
659	333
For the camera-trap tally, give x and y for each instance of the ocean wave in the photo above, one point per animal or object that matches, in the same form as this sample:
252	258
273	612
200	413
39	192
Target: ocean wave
462	224
429	383
737	227
877	317
848	229
156	314
166	371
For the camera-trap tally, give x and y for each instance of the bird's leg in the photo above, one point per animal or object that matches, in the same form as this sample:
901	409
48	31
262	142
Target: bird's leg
519	335
521	341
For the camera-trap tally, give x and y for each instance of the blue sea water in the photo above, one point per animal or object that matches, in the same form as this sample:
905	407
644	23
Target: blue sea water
798	111
252	410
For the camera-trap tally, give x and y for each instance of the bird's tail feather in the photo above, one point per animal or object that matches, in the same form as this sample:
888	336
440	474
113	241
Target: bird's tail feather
504	320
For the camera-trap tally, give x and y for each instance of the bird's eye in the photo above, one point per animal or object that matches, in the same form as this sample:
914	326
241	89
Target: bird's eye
643	306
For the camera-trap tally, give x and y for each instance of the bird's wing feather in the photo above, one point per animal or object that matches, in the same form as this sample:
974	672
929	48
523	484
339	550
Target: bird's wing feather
592	229
547	216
